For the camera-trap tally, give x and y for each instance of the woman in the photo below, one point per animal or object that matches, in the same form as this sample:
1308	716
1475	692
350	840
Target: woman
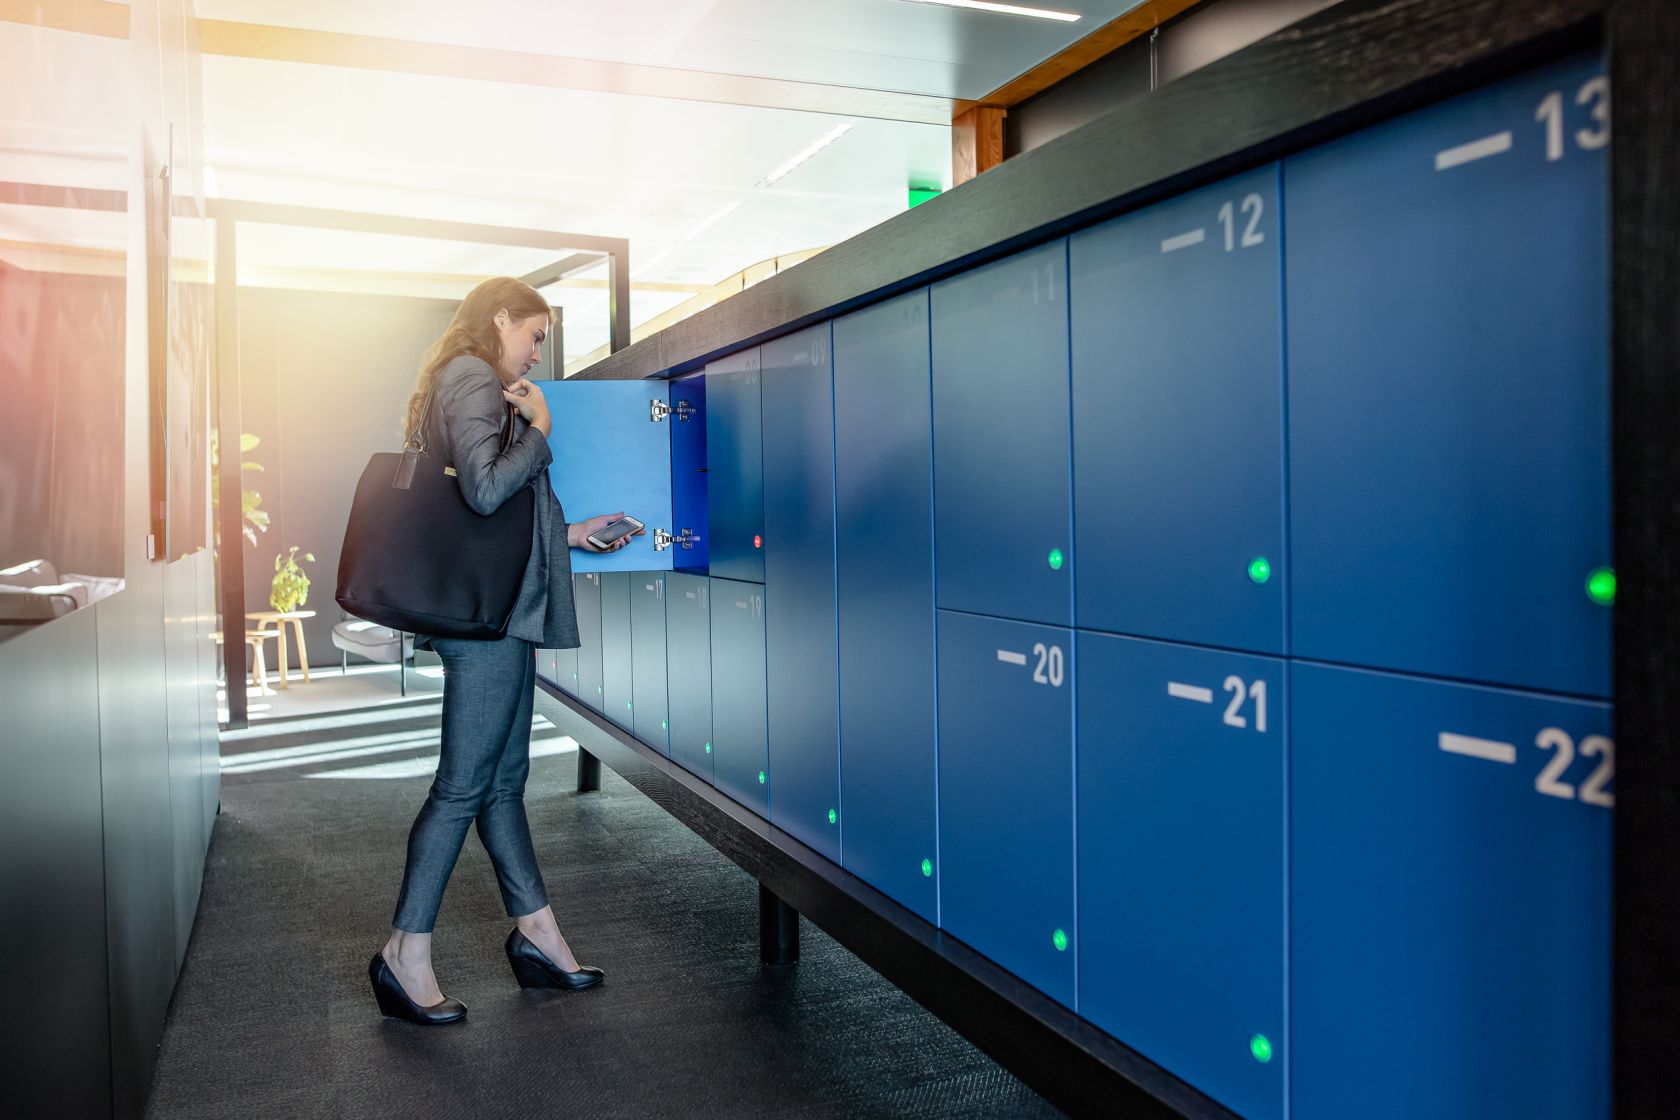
476	374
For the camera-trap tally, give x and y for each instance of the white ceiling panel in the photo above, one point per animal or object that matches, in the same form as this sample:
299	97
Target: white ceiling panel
868	44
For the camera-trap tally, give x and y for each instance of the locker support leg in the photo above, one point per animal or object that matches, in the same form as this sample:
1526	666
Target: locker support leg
589	772
778	929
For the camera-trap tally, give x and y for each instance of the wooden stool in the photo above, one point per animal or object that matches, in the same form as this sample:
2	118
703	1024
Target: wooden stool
279	619
259	667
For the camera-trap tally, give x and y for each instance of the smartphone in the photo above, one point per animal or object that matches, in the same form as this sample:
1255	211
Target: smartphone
623	527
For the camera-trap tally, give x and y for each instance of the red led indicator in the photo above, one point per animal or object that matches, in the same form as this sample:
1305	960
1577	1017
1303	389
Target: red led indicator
758	542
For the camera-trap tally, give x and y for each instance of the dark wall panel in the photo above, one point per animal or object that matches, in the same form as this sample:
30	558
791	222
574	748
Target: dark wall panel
140	912
54	1037
185	631
325	380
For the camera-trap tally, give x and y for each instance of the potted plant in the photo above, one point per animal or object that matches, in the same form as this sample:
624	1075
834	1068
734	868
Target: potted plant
290	589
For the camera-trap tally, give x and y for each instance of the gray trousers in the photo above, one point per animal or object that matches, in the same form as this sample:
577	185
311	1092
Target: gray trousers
480	779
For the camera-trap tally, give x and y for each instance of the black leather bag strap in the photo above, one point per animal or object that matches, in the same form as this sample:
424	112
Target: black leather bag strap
414	445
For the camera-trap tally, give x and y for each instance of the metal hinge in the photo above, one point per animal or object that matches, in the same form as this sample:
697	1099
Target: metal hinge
663	540
682	410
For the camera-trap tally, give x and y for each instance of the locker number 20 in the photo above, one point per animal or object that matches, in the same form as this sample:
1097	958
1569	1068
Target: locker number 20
1050	667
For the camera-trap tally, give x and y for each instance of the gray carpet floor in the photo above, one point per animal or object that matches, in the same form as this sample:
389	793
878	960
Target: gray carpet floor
273	1016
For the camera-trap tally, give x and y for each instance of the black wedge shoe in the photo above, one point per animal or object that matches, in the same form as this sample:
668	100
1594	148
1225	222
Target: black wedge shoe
394	1002
533	970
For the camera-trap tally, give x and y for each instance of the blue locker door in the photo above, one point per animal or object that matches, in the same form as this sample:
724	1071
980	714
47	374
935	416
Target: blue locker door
802	702
1450	919
1006	795
688	473
883	477
586	588
611	456
1177	358
1000	446
1181	861
1449	420
688	642
566	667
651	718
740	765
546	669
735	468
616	700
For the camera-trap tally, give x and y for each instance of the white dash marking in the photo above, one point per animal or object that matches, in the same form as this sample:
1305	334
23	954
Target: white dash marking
1494	145
1489	749
1010	657
1184	241
690	594
742	603
1189	692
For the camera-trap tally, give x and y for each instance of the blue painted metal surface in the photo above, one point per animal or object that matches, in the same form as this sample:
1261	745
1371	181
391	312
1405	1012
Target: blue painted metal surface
688	638
689	475
884	574
610	457
1449	418
740	765
1006	795
802	702
1177	359
1450	919
1181	860
651	720
1002	511
586	589
616	669
735	467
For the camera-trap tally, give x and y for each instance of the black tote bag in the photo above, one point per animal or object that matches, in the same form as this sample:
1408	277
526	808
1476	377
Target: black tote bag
417	558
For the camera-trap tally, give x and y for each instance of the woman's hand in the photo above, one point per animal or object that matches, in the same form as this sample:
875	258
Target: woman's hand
577	535
526	397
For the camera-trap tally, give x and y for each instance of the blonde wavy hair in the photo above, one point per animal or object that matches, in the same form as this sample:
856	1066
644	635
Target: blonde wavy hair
473	331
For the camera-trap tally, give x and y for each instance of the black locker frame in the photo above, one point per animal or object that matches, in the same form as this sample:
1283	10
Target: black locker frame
1354	64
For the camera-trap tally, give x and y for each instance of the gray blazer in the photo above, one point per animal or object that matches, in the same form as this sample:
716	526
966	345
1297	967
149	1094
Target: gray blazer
465	428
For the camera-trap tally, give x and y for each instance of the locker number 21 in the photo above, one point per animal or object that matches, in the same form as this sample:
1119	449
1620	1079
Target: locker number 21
1240	692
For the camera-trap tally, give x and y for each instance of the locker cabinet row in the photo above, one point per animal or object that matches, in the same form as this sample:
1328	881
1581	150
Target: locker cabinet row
1235	864
1170	611
1350	406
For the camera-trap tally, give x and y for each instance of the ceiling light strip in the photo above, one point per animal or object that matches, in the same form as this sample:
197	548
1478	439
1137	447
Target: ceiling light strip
1004	9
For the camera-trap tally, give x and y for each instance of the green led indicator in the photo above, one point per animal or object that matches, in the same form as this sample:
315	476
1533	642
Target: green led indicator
597	690
1601	586
1059	939
1056	559
927	867
664	725
762	777
628	705
833	816
1261	1047
708	748
1259	569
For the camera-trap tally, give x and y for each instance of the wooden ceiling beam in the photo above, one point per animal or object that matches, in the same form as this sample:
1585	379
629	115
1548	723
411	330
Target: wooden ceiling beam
1104	41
